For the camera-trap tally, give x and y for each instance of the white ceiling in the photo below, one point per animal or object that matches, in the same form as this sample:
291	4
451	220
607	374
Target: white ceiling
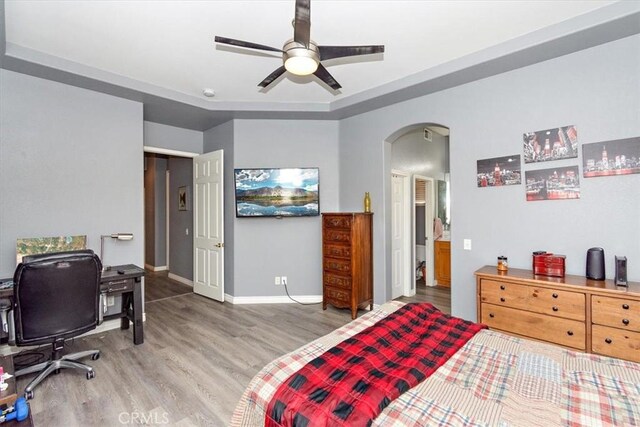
169	44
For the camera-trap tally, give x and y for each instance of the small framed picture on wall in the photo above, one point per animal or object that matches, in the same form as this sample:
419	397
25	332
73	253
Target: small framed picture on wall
183	198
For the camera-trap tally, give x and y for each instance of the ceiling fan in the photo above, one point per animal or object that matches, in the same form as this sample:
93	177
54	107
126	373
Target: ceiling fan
301	55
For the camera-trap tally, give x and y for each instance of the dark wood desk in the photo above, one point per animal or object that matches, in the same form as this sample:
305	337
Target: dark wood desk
112	283
129	285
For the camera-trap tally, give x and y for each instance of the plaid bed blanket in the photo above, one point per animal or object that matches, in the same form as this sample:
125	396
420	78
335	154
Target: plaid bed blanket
353	382
493	380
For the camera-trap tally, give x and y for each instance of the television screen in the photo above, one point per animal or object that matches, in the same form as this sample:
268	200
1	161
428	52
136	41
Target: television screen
277	192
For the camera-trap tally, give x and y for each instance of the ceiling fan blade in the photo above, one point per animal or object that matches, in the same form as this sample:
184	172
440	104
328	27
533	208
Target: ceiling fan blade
271	77
302	23
330	52
324	75
240	43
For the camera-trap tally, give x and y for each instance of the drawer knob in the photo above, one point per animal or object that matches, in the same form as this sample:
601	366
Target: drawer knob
625	321
570	333
625	306
491	315
608	340
554	308
502	287
502	300
555	295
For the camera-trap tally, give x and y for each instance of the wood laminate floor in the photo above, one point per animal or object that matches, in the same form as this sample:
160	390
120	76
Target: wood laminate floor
439	296
157	285
197	358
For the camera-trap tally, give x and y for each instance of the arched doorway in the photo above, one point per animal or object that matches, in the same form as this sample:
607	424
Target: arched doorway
419	223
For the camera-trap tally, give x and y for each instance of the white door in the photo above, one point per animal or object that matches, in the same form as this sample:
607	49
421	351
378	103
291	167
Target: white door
208	226
399	235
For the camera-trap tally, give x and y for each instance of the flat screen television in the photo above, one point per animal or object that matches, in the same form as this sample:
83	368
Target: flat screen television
277	192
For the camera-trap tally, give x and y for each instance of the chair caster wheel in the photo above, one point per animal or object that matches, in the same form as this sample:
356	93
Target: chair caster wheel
91	374
28	395
95	356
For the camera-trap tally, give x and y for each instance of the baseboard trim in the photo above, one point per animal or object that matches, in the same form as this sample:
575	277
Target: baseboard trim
181	279
279	299
154	268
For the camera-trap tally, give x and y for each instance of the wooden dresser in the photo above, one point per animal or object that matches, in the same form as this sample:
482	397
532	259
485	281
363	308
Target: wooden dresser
347	261
442	261
573	311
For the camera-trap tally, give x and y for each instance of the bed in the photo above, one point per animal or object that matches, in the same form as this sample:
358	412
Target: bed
492	380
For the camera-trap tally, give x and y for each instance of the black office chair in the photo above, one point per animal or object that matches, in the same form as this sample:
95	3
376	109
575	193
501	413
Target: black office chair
56	297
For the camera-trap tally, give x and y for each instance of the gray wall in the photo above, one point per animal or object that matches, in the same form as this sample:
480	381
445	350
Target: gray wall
221	138
411	153
598	90
149	210
70	163
172	138
180	243
268	247
155	211
160	213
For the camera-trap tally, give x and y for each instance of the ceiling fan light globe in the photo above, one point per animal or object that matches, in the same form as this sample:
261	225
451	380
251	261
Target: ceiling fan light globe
301	65
299	59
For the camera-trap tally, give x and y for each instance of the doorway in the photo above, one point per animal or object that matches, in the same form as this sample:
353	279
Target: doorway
425	208
421	152
168	241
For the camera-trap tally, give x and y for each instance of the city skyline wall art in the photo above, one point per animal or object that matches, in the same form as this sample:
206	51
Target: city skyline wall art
561	183
610	158
550	144
499	171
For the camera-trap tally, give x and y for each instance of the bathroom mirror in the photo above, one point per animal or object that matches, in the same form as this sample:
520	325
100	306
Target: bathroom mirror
443	203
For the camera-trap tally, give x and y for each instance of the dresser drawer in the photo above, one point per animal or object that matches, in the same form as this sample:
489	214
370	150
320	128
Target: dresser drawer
570	305
337	236
570	333
337	251
617	312
337	265
338	295
615	342
337	281
337	221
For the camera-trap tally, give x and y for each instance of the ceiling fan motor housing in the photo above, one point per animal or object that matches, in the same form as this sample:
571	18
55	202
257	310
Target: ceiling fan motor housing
300	59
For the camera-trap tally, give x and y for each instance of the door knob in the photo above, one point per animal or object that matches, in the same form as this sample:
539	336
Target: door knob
219	245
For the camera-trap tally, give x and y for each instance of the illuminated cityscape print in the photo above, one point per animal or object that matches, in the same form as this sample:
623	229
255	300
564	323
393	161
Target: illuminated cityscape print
619	157
551	144
553	184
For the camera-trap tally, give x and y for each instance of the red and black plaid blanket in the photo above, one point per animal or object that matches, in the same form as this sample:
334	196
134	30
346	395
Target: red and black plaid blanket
351	383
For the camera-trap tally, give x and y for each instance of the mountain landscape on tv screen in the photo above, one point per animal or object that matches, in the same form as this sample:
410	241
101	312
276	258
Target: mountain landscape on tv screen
277	192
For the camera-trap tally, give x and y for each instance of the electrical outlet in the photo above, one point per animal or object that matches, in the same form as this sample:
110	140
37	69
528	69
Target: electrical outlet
277	280
111	301
284	280
467	244
186	231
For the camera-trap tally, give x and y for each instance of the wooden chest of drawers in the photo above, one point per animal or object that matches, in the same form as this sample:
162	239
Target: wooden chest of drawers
347	267
588	315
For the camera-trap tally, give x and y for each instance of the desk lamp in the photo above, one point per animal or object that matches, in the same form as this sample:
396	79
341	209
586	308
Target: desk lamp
117	236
